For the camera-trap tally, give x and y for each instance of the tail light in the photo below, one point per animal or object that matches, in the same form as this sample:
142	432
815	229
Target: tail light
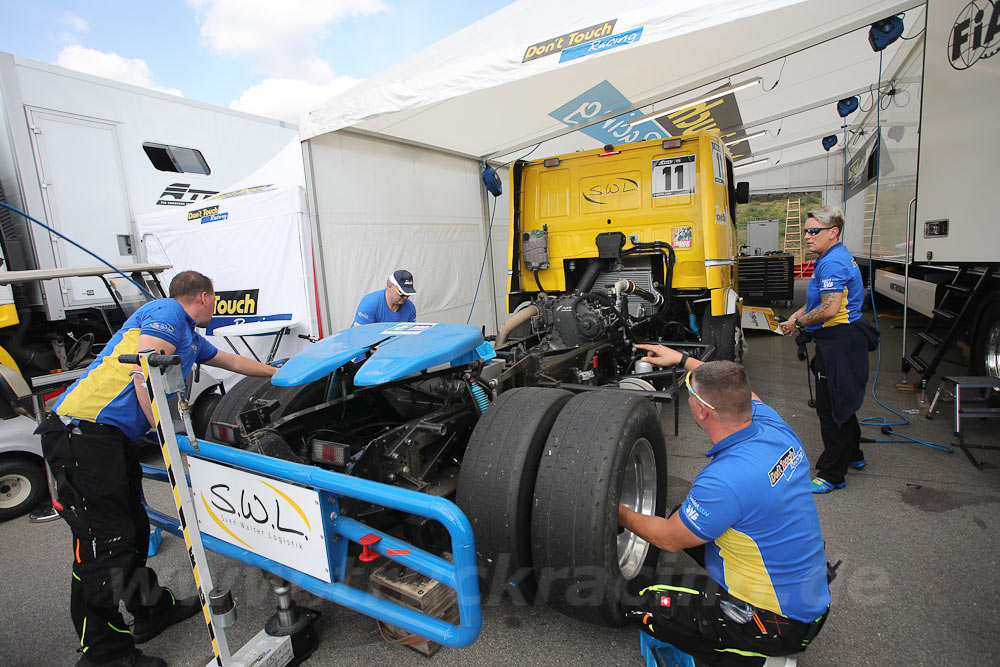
224	432
672	143
330	453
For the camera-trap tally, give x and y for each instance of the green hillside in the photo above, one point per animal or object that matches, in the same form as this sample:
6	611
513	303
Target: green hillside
773	207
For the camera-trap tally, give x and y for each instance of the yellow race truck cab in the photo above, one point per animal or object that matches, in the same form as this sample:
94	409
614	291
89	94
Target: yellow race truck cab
658	215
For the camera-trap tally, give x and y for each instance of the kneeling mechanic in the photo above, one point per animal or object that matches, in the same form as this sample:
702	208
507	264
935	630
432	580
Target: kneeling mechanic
749	520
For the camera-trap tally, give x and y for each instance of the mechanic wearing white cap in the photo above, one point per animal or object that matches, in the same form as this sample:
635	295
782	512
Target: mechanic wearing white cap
391	304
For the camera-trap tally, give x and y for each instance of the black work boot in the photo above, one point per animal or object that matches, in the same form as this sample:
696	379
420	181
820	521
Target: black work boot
134	659
145	628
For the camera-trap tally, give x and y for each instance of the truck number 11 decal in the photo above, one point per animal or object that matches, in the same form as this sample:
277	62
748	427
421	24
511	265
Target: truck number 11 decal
673	176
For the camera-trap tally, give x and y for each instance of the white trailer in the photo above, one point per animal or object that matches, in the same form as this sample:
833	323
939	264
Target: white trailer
86	156
931	239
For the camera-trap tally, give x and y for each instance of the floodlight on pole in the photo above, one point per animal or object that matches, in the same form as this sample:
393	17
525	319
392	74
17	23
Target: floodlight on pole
711	96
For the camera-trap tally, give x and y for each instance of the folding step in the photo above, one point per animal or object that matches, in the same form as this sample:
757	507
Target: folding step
944	313
930	338
916	363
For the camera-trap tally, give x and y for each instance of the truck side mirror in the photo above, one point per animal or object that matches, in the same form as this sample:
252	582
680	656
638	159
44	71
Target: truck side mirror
743	192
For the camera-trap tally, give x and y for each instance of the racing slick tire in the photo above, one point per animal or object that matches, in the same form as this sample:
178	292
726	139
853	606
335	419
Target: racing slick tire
497	479
605	448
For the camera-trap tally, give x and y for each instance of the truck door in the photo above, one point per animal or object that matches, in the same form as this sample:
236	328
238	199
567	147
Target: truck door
79	165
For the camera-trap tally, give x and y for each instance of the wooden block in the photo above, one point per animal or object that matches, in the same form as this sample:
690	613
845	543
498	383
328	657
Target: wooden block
411	589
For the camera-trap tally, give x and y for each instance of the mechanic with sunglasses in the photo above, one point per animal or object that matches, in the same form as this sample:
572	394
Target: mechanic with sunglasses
749	520
392	304
832	319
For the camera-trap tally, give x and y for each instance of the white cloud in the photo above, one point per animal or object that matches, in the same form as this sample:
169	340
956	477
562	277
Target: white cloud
111	66
279	38
287	99
74	22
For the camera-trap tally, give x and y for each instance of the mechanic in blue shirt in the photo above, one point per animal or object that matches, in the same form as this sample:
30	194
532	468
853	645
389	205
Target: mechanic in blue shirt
391	304
89	443
749	520
832	318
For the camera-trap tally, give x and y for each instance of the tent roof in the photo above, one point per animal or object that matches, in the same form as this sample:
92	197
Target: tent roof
472	94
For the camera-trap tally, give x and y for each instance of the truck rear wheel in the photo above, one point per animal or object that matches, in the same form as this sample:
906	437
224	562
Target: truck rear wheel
497	479
605	449
986	348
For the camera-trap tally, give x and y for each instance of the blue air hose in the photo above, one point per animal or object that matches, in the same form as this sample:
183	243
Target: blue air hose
882	421
63	236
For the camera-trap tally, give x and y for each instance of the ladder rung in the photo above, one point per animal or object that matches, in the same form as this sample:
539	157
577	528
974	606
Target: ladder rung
944	313
930	338
916	363
961	289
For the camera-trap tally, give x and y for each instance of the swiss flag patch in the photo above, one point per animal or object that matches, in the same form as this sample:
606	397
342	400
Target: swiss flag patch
664	601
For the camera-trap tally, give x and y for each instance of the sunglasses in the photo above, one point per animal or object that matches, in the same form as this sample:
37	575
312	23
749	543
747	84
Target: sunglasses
687	381
401	293
813	231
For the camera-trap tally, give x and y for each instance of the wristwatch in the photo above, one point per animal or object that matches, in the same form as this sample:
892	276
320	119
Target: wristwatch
684	359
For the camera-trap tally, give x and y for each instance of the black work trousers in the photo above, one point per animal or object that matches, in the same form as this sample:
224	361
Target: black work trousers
99	494
698	616
841	442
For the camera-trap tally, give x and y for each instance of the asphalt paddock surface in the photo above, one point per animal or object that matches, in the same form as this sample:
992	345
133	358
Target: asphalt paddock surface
916	531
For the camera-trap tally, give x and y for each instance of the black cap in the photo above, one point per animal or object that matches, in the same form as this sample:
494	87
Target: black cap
403	281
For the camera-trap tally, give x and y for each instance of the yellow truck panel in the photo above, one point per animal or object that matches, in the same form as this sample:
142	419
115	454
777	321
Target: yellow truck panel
680	195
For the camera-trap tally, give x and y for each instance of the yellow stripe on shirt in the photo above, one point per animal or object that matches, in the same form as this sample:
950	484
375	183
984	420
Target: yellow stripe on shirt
103	384
746	575
841	317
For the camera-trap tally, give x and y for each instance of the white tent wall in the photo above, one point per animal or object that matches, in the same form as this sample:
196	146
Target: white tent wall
379	205
256	244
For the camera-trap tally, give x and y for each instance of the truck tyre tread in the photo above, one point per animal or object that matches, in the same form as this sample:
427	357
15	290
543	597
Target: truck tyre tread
574	521
497	479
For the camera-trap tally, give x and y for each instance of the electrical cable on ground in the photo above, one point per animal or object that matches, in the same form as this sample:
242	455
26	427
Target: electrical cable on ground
63	236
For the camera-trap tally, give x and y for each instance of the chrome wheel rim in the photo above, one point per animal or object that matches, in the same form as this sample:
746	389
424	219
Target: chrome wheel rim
993	351
638	493
14	490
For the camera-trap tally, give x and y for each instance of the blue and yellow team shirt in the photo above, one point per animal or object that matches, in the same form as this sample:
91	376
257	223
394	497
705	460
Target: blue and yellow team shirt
836	271
753	505
105	394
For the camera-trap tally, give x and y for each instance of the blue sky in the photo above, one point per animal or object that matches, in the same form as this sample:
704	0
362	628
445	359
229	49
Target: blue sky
275	58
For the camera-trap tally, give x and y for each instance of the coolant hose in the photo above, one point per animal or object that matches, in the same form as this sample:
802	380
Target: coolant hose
515	320
624	286
589	276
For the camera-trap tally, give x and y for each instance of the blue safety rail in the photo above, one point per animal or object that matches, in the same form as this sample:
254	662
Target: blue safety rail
461	574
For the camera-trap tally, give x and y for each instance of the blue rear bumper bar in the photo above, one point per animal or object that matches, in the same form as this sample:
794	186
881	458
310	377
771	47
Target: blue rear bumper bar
460	575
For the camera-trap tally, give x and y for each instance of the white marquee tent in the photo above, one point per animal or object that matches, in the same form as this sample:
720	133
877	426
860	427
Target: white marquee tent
393	164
